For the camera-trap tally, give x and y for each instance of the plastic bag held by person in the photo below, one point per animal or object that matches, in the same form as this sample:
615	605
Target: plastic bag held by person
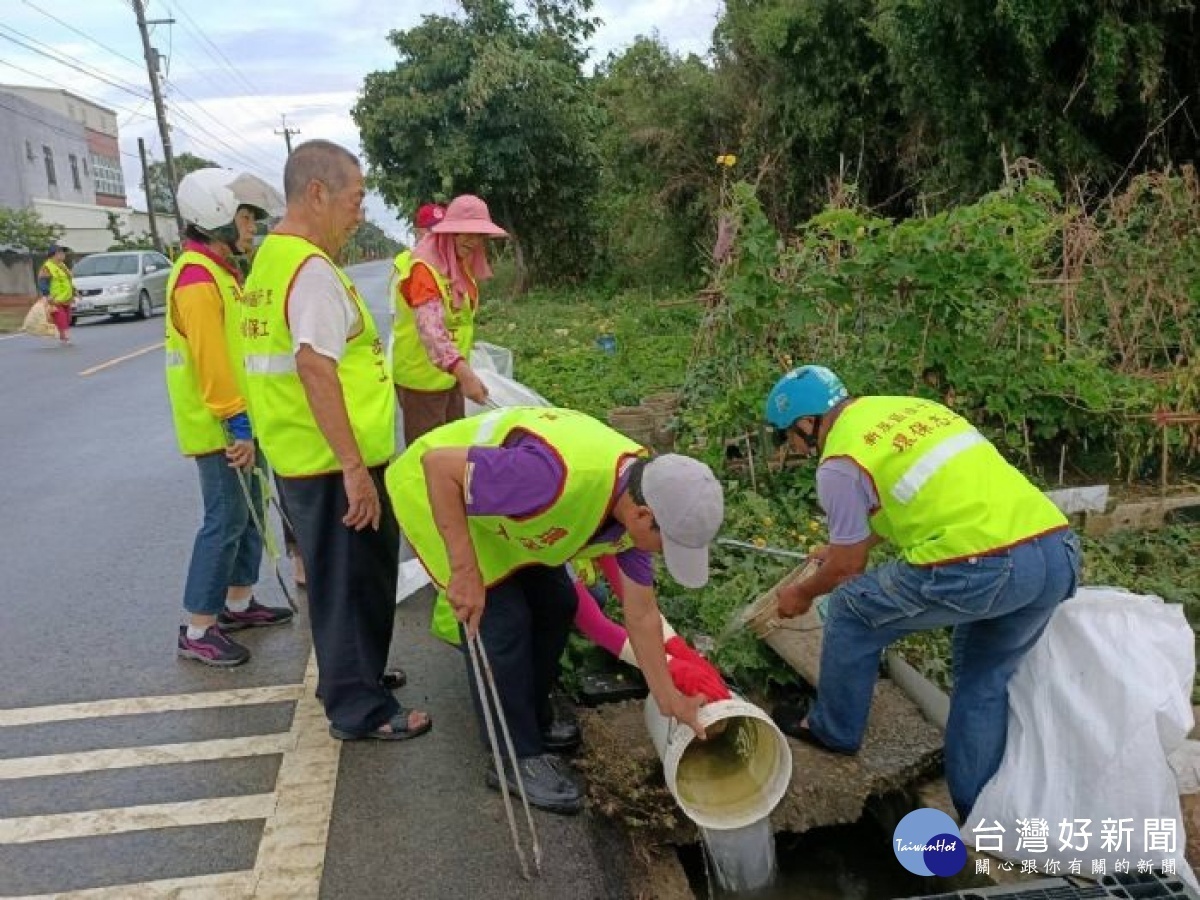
37	320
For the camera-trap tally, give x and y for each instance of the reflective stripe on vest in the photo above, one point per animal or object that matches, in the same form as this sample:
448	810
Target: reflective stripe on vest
411	367
945	492
197	430
591	454
927	466
62	288
283	420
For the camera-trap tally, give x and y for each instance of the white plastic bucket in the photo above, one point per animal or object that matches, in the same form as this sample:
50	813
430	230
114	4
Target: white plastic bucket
733	779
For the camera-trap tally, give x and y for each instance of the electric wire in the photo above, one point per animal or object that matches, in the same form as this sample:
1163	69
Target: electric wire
57	57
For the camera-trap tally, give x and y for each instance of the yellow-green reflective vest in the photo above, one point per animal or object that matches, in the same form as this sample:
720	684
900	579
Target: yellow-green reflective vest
411	367
592	455
945	492
283	420
62	289
196	428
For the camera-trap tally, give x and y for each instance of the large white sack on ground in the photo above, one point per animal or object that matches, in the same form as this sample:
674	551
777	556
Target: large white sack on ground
1096	707
503	391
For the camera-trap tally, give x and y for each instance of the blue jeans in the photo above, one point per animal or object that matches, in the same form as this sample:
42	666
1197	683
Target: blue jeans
228	548
998	606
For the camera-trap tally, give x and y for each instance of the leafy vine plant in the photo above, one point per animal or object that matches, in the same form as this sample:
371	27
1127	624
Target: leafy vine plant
1059	349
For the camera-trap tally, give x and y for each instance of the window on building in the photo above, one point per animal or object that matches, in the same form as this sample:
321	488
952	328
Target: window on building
29	152
106	172
49	155
75	172
85	171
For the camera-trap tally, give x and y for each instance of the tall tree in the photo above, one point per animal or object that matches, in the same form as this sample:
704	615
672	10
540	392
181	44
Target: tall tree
666	122
1087	89
158	193
493	103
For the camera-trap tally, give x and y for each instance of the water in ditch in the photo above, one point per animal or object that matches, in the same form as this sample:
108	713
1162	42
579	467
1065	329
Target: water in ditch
741	860
843	862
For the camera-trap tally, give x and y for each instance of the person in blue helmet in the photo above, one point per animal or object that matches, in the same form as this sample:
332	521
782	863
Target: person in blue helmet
980	549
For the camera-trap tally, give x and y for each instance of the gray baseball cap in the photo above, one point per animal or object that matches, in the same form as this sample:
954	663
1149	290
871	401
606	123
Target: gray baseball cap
689	506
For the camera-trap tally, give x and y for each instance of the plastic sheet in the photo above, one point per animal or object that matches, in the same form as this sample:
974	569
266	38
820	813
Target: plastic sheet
1095	710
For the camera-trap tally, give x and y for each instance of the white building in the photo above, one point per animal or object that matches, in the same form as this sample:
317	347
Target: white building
59	155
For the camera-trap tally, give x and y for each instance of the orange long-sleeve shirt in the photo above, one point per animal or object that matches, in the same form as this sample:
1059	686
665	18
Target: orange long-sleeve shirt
198	312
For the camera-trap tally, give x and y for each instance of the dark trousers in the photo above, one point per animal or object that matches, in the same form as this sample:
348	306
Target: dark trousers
524	631
351	597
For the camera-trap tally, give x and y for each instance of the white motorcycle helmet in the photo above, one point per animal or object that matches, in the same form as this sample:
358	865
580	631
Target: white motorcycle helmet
210	198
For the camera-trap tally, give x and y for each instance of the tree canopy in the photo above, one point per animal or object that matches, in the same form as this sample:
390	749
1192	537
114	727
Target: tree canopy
493	103
906	106
24	229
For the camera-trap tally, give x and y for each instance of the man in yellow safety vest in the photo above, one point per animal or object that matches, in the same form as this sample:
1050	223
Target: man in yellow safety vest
322	403
982	550
495	506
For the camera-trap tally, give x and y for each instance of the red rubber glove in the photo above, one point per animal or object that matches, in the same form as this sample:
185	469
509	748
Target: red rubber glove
692	673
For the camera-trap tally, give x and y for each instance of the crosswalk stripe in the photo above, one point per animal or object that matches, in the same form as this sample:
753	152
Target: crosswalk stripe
223	886
120	820
291	855
157	755
37	715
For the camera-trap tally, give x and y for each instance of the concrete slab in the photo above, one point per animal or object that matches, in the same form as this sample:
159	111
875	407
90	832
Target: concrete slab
626	777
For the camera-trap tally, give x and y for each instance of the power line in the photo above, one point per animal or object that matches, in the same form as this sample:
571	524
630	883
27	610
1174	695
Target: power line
55	56
69	88
223	59
199	108
83	34
52	126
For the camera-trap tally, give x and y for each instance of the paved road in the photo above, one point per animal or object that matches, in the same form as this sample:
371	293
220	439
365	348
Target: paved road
125	772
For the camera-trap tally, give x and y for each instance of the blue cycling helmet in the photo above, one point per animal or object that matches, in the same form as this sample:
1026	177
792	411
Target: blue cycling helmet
806	391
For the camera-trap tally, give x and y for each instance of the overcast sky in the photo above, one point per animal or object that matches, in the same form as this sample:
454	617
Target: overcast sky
236	66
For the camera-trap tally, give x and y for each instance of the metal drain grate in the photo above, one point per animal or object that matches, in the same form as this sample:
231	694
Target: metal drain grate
1110	887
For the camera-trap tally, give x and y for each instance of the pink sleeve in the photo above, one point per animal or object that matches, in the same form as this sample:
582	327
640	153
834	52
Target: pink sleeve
612	573
431	328
597	627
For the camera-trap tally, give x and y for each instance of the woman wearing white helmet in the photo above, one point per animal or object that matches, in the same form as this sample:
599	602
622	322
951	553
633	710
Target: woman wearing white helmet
206	384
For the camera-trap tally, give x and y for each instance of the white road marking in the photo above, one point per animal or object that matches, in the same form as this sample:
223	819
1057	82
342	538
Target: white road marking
35	715
120	359
162	754
119	820
291	854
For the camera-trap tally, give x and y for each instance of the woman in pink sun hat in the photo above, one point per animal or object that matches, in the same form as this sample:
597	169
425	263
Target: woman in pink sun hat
437	294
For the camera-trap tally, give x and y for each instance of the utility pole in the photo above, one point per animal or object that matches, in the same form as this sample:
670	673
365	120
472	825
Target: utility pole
287	133
160	110
158	244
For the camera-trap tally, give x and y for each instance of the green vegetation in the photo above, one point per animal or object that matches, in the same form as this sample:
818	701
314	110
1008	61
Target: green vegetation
961	306
24	229
995	208
605	169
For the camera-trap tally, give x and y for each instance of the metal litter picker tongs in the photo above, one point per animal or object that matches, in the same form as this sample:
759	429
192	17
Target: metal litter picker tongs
482	670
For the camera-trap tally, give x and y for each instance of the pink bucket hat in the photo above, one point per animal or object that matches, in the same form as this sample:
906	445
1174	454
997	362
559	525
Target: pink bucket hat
468	214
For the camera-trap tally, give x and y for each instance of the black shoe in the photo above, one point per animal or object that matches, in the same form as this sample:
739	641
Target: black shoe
789	714
394	679
549	783
561	734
